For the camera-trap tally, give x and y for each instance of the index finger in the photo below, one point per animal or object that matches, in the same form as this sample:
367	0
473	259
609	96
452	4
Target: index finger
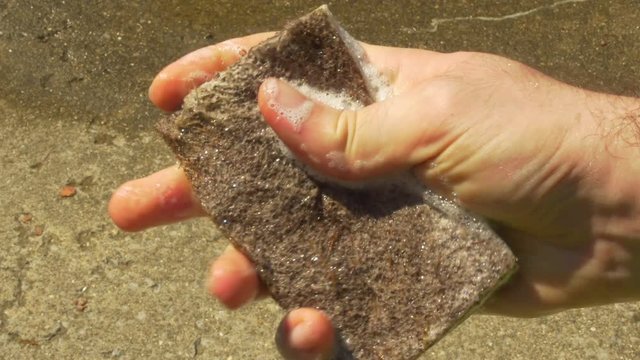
161	198
177	79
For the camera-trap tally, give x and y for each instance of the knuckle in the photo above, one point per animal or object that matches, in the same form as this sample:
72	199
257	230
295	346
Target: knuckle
444	96
347	133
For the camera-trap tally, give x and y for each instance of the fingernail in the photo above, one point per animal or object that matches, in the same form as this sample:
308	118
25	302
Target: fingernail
287	102
300	336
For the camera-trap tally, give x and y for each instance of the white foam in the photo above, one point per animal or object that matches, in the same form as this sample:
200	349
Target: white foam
340	101
337	160
313	158
295	115
271	88
378	85
376	82
197	77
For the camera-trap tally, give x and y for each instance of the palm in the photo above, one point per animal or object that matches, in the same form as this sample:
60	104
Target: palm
493	149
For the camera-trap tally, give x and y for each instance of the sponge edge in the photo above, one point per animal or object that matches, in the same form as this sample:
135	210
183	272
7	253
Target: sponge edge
394	266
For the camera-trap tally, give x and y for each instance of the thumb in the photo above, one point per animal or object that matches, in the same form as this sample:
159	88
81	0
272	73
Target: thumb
353	145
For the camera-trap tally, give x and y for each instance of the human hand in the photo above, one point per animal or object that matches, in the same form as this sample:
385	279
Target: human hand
496	136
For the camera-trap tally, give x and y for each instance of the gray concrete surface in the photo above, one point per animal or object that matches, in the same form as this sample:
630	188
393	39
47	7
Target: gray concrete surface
73	110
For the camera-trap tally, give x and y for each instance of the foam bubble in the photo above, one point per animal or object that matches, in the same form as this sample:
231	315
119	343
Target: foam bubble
337	159
271	88
305	150
377	83
340	101
294	115
197	76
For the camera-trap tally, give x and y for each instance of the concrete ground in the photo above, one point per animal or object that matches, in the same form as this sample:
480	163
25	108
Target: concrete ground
73	111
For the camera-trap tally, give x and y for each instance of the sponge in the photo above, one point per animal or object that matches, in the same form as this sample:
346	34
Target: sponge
392	264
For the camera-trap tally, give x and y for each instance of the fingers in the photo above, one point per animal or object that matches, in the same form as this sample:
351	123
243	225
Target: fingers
176	80
161	198
302	334
233	279
381	138
166	197
305	333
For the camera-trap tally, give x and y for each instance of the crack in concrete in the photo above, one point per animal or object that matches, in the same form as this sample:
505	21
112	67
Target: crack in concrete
8	304
17	301
57	331
24	239
197	347
23	232
435	23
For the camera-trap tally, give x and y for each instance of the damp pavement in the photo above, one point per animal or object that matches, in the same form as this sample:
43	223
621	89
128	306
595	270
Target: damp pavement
74	112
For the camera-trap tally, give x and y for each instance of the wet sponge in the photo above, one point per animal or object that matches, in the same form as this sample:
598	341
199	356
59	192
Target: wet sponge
393	266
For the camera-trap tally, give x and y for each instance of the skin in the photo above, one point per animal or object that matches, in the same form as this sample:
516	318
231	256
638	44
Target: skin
552	166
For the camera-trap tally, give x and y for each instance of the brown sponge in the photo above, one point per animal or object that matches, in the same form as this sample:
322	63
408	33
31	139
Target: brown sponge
394	266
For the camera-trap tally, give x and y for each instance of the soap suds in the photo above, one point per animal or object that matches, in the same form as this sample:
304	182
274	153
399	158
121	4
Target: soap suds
340	101
378	85
271	88
295	115
337	160
197	77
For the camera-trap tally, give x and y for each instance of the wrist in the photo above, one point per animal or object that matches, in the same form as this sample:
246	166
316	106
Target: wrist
613	166
611	156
